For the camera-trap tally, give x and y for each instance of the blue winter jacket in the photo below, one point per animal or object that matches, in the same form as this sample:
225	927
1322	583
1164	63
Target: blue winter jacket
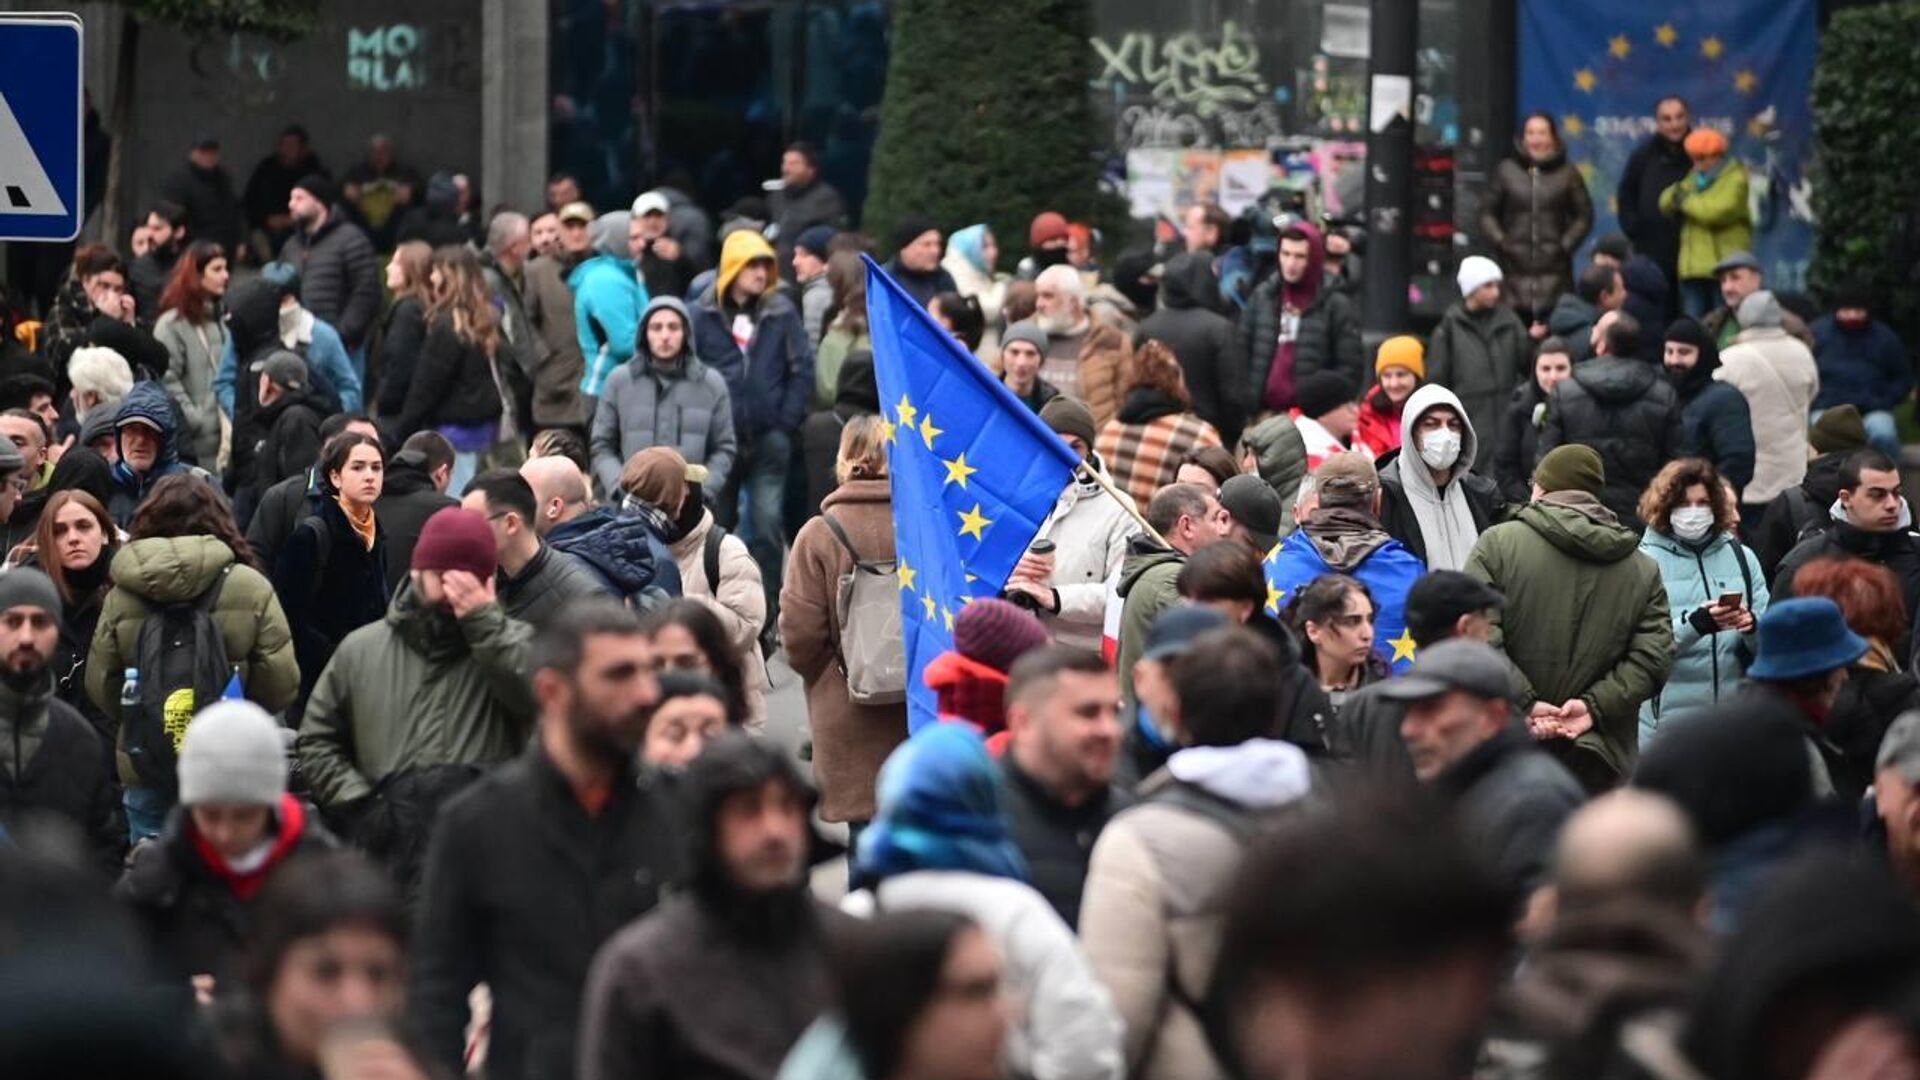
607	300
623	553
771	381
1706	667
1868	368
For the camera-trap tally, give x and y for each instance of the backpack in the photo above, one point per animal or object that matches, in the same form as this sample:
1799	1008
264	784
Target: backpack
183	667
873	654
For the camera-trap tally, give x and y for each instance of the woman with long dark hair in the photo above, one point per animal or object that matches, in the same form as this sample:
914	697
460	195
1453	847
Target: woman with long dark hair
184	545
1333	616
192	327
75	543
689	637
332	571
456	388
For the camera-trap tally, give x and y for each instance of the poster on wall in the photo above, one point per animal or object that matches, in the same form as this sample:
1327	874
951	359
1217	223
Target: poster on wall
1744	66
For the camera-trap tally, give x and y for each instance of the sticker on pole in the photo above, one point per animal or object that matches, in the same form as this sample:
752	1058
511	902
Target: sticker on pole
41	111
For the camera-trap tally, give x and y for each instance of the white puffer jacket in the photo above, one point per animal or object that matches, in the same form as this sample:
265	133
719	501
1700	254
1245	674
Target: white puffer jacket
1089	530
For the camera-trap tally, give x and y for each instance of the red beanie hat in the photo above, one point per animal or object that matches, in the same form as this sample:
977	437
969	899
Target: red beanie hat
996	633
1046	226
457	539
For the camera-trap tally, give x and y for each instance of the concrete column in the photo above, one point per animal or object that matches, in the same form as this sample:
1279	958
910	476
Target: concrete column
513	106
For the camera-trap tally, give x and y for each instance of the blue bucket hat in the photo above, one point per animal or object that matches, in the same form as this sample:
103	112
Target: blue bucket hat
1803	637
939	808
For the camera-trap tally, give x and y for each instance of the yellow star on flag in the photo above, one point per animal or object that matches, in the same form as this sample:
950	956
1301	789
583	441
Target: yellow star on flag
906	410
1746	81
886	427
931	604
1585	79
928	431
1620	46
1757	128
1573	125
1273	598
1712	47
1402	646
958	470
974	523
971	578
948	616
1666	35
906	575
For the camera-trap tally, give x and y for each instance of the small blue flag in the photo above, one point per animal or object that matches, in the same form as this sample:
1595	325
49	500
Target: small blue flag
1387	573
974	473
234	691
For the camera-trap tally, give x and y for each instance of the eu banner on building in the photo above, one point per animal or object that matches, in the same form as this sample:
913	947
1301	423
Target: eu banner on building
1744	66
974	473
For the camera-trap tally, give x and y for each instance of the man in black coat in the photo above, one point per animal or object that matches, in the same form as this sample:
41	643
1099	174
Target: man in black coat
1206	343
291	417
536	583
1622	407
1656	165
53	765
415	490
538	863
1799	511
203	187
339	272
1871	521
1063	717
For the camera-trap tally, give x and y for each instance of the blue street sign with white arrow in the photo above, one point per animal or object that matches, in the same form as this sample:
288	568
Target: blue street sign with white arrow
41	110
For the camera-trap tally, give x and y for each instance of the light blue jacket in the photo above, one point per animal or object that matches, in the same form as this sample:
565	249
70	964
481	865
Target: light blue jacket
1705	667
607	300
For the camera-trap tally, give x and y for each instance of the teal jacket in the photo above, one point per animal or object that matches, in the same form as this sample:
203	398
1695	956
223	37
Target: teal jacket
607	301
1706	667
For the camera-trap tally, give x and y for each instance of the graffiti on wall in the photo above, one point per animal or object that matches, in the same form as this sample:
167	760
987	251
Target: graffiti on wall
1188	89
410	57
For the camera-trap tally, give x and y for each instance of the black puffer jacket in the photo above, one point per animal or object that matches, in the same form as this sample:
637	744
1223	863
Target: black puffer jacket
1535	216
1203	340
453	383
1328	338
339	276
1519	446
1799	510
1717	424
1656	165
1626	412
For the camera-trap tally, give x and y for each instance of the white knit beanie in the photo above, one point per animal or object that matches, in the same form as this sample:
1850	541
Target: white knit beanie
233	753
1475	271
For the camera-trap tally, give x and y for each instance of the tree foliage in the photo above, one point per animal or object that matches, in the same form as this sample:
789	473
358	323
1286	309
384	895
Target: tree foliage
986	117
1866	191
280	20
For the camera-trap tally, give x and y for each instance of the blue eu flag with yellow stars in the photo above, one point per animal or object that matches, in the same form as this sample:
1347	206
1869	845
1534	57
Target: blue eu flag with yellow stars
974	473
1387	573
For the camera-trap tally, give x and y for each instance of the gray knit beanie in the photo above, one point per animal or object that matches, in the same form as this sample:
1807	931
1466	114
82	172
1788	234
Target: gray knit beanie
26	586
233	753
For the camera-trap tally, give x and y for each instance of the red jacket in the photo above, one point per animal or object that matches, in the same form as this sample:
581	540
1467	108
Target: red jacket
970	691
1379	423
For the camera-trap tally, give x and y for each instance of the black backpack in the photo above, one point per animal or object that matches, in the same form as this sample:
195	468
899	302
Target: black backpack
182	660
710	558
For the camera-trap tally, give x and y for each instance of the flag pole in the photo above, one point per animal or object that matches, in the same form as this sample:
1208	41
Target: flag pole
1124	499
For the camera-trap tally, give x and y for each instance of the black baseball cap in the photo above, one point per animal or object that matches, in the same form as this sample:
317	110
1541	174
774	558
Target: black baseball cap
1438	599
1473	667
1255	506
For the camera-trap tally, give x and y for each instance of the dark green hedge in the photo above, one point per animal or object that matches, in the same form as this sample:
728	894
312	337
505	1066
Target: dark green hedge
986	118
1866	182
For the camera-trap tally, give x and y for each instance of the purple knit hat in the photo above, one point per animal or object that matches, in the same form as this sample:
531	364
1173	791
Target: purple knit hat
996	633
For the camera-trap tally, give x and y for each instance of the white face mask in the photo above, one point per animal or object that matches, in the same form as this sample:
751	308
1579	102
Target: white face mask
1692	523
1440	448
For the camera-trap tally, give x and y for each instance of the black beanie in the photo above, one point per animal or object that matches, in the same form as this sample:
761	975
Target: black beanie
910	228
1731	769
321	188
1322	392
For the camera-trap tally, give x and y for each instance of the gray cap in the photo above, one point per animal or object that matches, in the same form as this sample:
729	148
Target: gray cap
1473	667
286	369
1900	748
1739	260
1027	331
10	459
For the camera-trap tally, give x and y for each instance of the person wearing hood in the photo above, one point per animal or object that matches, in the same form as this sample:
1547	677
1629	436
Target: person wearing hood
194	888
1183	518
1479	351
1692	521
331	573
724	976
417	705
1658	163
1399	367
915	265
1274	451
1535	214
1468	745
1156	427
532	869
1206	343
144	435
751	333
436	221
626	552
1431	499
664	396
1158	882
1620	406
1601	289
971	258
415	489
1296	323
52	761
1709	203
1778	376
1862	363
1715	422
1525	415
339	271
941	841
291	418
1800	511
1089	531
1868	519
1648	300
608	296
1586	623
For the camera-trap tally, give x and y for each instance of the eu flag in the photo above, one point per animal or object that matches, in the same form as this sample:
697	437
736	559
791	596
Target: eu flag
1387	573
974	473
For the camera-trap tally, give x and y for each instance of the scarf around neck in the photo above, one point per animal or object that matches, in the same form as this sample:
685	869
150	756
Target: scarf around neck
361	521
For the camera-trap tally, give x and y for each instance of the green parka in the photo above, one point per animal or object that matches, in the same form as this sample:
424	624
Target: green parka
1586	618
417	688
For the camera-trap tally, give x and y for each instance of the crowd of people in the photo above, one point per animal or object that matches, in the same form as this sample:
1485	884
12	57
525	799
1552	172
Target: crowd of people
394	595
